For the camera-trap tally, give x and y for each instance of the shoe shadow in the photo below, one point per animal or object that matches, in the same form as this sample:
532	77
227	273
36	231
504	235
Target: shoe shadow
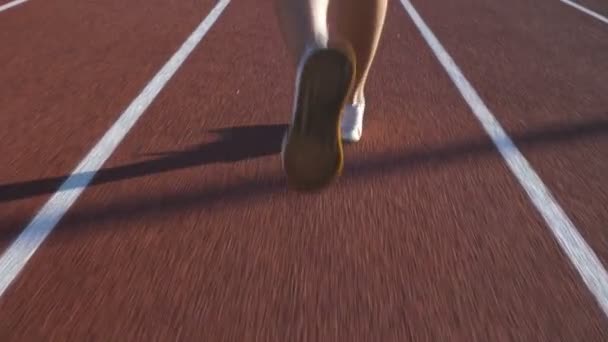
231	145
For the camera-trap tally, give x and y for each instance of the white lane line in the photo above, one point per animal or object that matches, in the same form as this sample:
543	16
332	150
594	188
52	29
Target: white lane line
581	255
11	4
586	11
21	250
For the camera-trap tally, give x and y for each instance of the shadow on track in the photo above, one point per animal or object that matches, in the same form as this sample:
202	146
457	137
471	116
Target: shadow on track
240	143
232	144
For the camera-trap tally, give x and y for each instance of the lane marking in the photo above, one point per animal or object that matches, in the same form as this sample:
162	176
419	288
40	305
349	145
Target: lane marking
581	255
586	11
11	4
21	250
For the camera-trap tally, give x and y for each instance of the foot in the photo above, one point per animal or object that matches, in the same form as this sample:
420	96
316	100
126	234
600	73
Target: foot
352	122
312	153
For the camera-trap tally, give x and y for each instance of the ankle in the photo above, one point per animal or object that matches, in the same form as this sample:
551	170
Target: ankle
358	98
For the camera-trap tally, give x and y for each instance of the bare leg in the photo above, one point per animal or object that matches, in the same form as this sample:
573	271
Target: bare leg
360	23
303	24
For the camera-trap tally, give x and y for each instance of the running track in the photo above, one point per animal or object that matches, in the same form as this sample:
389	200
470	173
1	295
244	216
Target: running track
439	229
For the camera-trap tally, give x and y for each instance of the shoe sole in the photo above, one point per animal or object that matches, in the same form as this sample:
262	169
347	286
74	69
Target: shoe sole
312	147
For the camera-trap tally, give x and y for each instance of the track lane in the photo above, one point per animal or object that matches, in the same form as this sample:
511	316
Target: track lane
35	233
542	69
597	6
428	234
70	70
6	5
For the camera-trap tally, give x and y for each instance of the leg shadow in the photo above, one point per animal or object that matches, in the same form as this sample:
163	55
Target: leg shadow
232	144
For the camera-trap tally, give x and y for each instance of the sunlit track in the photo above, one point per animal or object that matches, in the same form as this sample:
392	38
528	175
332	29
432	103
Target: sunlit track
473	209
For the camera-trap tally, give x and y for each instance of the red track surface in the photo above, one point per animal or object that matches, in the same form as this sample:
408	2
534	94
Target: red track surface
188	232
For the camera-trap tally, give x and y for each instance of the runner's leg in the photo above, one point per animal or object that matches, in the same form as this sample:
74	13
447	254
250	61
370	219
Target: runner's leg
312	153
360	23
303	24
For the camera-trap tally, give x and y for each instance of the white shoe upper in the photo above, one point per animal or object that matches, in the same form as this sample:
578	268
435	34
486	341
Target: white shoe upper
352	122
